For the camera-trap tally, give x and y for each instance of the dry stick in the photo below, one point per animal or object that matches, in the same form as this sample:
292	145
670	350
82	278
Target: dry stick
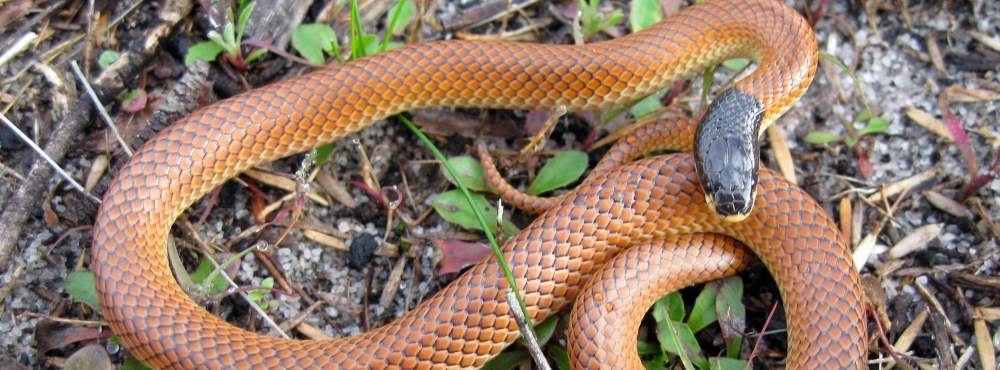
529	335
100	107
48	159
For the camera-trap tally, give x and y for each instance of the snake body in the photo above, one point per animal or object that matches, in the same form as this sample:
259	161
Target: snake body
467	322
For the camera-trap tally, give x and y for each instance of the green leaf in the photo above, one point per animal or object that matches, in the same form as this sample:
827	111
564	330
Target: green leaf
875	125
205	50
470	172
647	105
132	363
506	360
563	169
245	10
703	312
545	330
322	153
723	363
736	64
818	137
254	55
645	348
401	15
731	314
229	38
312	40
80	286
560	356
677	338
863	116
265	287
107	58
614	19
453	207
369	45
669	307
202	272
644	13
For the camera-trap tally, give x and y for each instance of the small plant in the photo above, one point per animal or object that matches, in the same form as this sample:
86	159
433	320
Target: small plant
230	41
594	21
873	125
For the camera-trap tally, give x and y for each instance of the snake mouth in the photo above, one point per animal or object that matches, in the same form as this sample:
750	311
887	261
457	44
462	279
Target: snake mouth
726	154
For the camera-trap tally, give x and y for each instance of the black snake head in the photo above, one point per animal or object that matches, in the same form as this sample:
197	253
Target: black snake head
726	153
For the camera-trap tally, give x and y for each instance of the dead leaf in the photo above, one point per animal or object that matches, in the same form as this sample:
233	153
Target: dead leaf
946	204
51	335
327	240
990	41
968	95
782	154
916	240
458	255
928	122
91	357
905	184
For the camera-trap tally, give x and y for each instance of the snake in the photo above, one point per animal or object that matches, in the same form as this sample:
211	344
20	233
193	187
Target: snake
648	204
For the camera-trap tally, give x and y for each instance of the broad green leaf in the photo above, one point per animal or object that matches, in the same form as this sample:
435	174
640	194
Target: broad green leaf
677	338
644	13
369	44
265	287
107	58
723	363
312	40
202	272
563	169
469	171
560	356
401	15
322	153
645	348
669	307
245	10
453	207
506	360
875	125
731	314
206	50
132	363
647	105
736	64
703	312
80	286
818	137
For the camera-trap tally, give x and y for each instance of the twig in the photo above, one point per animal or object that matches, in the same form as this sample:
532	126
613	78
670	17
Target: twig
10	171
19	46
53	163
99	106
529	335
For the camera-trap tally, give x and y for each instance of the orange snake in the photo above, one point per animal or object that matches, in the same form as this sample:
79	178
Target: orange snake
635	209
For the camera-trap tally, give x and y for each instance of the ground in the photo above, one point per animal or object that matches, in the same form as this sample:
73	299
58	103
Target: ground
928	70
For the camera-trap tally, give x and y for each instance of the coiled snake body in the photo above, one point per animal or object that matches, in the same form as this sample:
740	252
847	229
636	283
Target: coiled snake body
636	208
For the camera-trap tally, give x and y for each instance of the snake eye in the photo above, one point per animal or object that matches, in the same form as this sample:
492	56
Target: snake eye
726	153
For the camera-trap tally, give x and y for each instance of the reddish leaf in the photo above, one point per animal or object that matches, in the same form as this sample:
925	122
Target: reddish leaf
458	255
50	335
958	134
864	167
135	101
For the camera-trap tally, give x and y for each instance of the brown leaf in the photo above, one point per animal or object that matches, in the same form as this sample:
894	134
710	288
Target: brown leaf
458	255
928	122
967	95
51	335
91	357
916	240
